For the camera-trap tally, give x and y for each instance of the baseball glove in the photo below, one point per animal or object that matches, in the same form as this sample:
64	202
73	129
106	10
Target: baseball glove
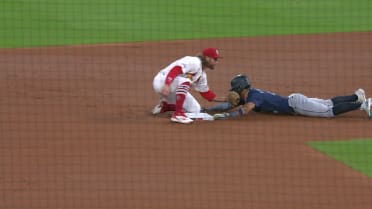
233	98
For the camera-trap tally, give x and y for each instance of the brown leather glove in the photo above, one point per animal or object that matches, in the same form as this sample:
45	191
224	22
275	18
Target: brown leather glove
233	98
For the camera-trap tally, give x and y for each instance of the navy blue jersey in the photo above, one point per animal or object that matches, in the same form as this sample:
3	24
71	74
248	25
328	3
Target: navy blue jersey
266	101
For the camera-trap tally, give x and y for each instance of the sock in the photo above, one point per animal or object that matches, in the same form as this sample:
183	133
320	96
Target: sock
345	107
169	107
343	99
181	92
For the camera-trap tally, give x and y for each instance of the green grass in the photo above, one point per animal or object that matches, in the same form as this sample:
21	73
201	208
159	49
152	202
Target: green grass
26	23
355	153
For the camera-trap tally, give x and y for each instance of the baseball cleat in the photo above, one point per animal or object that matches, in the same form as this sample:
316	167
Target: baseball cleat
366	106
361	95
180	117
158	108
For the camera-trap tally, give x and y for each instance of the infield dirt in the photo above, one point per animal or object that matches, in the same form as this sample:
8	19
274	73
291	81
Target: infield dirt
76	129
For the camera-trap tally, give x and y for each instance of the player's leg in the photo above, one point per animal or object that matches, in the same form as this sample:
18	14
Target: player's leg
350	106
157	83
191	105
312	107
327	102
345	107
303	105
358	96
336	100
342	99
180	86
343	104
166	103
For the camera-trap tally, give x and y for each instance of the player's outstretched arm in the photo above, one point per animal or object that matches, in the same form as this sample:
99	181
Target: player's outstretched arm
219	99
227	103
239	111
220	107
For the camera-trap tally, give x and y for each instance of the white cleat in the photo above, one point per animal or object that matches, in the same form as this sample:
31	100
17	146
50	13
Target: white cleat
180	118
361	95
366	106
158	108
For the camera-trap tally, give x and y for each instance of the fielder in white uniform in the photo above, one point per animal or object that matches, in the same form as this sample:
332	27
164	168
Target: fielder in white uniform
174	81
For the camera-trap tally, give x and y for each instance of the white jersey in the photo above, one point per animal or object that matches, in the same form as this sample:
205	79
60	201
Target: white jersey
201	85
191	72
191	69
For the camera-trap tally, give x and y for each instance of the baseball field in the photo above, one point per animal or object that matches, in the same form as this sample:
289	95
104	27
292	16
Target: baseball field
76	94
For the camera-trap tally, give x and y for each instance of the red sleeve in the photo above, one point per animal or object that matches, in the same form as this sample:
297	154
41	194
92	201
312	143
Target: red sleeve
208	95
173	73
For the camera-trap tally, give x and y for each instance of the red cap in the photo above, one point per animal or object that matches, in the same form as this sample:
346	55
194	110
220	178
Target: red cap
212	53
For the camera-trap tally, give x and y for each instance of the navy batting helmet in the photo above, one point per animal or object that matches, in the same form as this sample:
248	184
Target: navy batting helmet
239	83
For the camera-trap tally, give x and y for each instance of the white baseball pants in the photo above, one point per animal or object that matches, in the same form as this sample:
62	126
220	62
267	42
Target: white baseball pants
190	105
314	107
